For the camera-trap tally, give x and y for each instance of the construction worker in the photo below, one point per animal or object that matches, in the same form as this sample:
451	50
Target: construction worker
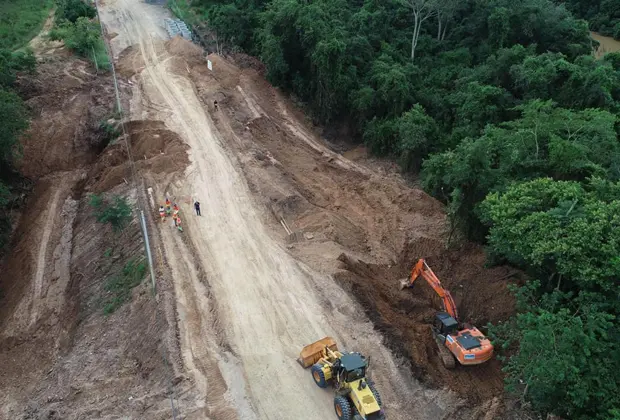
177	222
197	207
162	213
167	206
175	210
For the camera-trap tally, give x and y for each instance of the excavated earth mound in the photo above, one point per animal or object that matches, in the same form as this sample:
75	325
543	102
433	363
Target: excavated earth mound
153	147
180	47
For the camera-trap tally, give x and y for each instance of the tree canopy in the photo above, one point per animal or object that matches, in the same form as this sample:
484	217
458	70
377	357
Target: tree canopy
603	15
567	234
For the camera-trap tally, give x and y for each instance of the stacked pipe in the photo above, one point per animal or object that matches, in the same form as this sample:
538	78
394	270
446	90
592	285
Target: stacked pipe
176	27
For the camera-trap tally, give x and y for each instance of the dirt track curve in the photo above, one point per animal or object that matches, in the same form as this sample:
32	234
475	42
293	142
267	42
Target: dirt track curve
244	305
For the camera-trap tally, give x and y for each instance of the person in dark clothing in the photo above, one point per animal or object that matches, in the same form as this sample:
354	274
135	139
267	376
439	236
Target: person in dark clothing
197	207
215	105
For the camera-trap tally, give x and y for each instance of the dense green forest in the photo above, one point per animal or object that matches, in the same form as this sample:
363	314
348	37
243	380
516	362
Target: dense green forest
602	15
507	117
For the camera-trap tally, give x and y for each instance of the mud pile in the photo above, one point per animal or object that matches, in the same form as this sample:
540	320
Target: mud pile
153	147
129	62
181	47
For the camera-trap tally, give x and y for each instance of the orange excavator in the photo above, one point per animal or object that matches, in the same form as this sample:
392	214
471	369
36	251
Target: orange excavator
454	340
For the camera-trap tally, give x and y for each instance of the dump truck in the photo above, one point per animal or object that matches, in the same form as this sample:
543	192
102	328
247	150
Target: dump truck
356	396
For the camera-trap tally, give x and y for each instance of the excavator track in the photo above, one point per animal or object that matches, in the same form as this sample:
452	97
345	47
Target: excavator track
446	356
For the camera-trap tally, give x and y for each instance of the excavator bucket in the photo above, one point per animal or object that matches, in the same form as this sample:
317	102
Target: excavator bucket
313	352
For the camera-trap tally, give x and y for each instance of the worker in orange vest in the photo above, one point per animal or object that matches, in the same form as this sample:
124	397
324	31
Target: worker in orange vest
167	206
175	210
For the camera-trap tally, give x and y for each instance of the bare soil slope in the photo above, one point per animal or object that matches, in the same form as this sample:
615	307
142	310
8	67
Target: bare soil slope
61	356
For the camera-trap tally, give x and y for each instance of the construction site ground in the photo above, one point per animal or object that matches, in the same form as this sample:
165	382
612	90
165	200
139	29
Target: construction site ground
296	241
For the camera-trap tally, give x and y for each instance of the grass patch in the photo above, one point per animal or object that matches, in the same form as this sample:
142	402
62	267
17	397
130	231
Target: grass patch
119	287
183	10
100	57
21	20
116	211
83	37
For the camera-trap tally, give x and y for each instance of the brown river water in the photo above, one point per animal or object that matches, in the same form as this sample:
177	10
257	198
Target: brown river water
608	44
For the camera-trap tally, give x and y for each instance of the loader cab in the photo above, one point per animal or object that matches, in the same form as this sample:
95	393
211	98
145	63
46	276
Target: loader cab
444	324
353	366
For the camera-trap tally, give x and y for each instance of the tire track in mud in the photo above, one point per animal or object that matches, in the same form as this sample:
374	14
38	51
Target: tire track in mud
199	327
45	238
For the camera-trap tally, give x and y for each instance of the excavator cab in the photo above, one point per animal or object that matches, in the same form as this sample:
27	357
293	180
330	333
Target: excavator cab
444	324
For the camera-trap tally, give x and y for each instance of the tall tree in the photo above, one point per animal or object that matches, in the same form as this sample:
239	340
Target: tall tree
545	141
422	11
417	135
446	10
564	355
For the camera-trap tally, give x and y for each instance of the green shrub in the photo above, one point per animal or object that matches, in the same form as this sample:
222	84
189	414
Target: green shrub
84	38
5	221
119	287
110	132
72	10
100	56
13	62
117	212
181	9
81	36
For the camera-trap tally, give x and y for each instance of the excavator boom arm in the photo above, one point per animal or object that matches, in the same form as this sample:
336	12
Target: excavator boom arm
422	269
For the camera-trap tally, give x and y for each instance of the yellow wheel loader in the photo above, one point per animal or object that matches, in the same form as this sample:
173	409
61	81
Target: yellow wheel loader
356	397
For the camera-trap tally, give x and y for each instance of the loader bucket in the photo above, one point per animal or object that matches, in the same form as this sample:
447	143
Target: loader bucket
313	352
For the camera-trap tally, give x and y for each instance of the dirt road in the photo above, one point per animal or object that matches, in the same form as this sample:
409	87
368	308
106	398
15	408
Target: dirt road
245	306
